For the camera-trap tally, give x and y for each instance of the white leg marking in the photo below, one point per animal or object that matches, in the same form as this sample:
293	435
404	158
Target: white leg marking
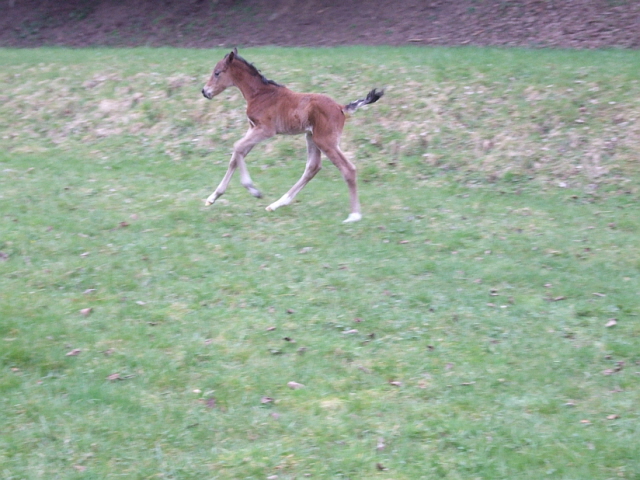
353	217
211	199
284	200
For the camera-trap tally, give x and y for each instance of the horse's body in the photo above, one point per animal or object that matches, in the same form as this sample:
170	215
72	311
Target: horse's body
274	109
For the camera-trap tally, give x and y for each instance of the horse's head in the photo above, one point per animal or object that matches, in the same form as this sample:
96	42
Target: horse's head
221	76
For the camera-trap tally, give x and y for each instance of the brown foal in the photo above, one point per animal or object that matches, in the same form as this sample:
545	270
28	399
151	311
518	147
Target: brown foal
274	109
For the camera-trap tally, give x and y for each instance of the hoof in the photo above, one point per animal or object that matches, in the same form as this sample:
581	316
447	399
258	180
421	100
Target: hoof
269	209
353	217
211	199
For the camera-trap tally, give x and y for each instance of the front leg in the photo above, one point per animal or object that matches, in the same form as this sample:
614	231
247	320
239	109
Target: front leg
219	191
240	149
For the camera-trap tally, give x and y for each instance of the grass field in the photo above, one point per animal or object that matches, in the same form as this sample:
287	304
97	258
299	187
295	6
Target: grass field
480	322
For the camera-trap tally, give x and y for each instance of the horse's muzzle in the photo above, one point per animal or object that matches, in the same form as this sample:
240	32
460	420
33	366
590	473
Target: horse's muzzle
206	94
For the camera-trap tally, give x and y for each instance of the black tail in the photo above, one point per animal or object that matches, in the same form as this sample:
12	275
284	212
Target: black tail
372	97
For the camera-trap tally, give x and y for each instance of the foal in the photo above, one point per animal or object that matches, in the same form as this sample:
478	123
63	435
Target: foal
273	109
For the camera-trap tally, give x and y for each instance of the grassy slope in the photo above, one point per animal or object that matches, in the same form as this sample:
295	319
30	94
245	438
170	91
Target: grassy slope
499	237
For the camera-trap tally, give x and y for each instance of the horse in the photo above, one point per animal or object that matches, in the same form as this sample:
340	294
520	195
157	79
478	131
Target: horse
274	109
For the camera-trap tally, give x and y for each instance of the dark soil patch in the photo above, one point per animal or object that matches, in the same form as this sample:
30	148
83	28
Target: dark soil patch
212	23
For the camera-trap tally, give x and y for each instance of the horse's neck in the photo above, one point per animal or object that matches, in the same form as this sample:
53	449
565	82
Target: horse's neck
249	85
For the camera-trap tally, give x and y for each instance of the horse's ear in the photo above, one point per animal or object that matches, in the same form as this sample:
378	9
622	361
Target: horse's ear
232	55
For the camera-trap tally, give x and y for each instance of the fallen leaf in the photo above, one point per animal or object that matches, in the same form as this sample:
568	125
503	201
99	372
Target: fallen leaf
270	329
585	422
395	383
403	242
4	256
613	417
265	400
357	320
611	323
290	311
211	402
85	254
289	339
88	291
295	385
380	467
611	371
73	353
596	294
86	311
80	468
123	224
350	332
113	377
381	445
140	302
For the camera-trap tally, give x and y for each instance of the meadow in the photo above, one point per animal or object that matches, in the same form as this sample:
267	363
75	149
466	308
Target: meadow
480	322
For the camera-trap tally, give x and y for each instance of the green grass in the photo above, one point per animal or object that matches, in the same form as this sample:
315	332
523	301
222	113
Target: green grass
458	331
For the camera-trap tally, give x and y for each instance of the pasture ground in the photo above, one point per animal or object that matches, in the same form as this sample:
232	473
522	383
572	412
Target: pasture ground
481	321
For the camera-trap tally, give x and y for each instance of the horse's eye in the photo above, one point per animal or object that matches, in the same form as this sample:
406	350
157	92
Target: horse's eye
217	74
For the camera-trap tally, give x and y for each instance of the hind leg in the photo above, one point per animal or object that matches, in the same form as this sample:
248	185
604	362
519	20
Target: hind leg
314	164
348	170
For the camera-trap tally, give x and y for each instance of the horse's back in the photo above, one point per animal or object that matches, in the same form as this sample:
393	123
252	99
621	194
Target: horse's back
295	113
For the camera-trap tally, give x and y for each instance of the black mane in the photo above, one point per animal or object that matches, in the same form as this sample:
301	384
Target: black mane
255	72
